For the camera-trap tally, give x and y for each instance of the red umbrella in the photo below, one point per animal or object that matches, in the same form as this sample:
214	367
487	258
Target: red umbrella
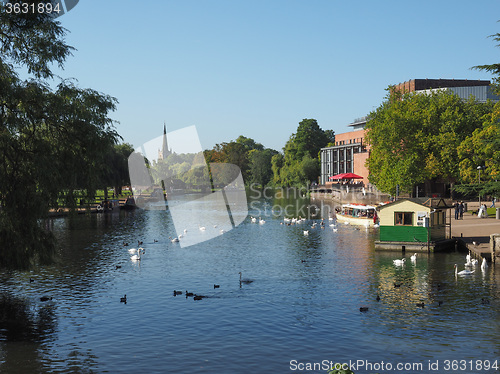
346	176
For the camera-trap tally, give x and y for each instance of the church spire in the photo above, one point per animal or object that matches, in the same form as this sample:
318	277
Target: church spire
165	152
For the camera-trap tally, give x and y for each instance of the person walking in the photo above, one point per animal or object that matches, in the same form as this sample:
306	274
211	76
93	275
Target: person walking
461	209
493	202
457	210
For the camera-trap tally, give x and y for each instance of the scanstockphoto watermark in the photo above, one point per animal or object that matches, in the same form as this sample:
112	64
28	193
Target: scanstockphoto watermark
476	365
205	200
54	8
355	366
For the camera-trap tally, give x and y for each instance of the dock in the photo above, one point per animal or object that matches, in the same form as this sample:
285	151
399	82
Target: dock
479	235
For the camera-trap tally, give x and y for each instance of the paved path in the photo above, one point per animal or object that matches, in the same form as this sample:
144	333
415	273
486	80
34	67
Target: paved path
474	229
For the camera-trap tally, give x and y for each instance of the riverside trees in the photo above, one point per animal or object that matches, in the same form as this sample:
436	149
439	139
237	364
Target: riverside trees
51	140
415	137
299	165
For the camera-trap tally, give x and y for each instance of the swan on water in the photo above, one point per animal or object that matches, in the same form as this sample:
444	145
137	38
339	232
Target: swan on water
399	262
174	240
202	228
413	258
261	221
137	257
306	232
463	272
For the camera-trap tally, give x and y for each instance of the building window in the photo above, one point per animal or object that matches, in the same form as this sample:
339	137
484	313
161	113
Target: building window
403	218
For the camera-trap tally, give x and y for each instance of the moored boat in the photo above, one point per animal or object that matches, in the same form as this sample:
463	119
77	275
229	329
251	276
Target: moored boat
358	214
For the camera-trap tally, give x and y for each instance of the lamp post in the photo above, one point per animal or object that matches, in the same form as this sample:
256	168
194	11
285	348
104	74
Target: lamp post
479	192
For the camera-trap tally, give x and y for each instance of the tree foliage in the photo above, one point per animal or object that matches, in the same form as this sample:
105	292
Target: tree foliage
51	140
260	165
253	159
299	165
414	137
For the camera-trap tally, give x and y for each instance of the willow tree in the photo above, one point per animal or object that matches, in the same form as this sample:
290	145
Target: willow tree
52	141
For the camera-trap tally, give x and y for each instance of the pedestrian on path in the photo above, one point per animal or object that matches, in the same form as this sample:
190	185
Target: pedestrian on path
457	210
461	209
493	202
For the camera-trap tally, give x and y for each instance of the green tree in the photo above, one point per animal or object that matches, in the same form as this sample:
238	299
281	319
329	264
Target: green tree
260	168
116	171
300	164
51	140
494	69
414	138
249	143
277	163
482	149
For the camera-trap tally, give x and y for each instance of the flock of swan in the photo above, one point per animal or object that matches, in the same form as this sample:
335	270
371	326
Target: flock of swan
470	264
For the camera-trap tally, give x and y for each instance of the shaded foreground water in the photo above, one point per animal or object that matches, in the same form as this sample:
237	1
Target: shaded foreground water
302	308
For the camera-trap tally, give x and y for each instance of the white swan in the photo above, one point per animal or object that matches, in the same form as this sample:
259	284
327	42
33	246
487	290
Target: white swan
202	228
306	232
132	250
467	258
137	257
413	258
399	262
261	221
463	272
174	240
254	220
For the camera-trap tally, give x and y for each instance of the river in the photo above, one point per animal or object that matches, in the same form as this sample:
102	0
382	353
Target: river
300	314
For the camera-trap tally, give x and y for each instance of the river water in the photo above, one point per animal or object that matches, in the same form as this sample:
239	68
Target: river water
300	313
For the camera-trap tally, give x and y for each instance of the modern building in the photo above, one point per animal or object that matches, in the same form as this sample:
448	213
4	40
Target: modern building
348	155
464	88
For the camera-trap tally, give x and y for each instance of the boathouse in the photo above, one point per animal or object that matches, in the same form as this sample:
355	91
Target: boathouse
420	225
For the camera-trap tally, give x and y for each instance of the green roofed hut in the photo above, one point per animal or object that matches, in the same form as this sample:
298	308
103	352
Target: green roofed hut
418	225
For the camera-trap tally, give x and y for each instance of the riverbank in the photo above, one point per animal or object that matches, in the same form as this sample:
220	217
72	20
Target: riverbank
351	195
480	235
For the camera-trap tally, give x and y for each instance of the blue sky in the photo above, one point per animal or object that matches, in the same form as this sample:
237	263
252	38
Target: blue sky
257	68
